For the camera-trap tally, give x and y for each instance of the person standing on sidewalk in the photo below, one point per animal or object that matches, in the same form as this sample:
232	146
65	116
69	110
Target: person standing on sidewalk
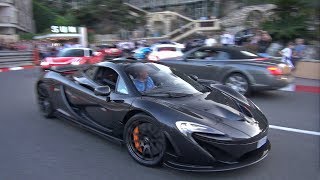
298	51
263	44
287	54
210	41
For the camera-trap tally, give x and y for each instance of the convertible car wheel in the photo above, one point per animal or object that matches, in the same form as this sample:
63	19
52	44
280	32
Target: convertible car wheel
238	82
144	140
44	101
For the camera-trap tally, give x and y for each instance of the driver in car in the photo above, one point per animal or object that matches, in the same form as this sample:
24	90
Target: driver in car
143	81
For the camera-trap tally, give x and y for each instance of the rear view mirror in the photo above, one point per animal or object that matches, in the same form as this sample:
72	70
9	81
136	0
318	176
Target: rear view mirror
194	77
102	91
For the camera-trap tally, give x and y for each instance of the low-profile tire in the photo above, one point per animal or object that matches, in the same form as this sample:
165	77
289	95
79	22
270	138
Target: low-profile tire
44	101
144	140
238	82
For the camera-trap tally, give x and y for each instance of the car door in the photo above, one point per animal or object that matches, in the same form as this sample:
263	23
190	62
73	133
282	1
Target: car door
202	62
102	112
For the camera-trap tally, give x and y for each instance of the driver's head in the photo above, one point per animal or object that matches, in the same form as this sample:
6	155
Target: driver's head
142	72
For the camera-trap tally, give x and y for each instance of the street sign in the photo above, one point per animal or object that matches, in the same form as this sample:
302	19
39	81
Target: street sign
64	29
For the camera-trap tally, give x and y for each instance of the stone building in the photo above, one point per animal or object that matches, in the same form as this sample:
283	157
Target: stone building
194	9
15	17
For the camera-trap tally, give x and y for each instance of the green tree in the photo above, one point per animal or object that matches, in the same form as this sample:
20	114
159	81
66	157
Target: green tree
43	16
105	16
291	19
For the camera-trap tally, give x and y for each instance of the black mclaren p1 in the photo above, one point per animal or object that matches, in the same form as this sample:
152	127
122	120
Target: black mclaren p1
162	116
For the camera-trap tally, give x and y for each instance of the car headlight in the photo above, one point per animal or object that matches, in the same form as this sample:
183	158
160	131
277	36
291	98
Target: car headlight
188	128
76	63
44	63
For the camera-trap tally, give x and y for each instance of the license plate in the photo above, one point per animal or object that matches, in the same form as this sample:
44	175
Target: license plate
261	142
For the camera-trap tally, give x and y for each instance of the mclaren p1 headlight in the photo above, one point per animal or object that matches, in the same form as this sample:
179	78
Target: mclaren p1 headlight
187	128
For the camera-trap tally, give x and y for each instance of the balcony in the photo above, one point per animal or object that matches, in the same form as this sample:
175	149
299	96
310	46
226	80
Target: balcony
6	2
8	20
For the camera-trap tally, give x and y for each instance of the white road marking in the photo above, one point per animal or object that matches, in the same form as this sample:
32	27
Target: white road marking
295	130
15	68
290	87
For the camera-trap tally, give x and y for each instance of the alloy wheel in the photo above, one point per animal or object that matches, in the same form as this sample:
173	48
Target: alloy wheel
145	143
238	82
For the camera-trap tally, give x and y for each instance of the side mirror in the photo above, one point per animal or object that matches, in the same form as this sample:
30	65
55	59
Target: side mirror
194	77
102	91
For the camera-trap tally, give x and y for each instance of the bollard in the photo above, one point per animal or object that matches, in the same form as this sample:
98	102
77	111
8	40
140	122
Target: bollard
36	57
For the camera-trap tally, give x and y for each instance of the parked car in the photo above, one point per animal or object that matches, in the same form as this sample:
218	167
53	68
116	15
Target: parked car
72	56
163	51
237	68
178	45
141	53
110	51
194	43
176	121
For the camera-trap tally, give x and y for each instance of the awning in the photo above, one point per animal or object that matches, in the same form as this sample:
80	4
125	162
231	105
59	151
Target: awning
57	36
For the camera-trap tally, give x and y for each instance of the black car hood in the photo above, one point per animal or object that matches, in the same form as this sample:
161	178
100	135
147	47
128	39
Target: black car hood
221	109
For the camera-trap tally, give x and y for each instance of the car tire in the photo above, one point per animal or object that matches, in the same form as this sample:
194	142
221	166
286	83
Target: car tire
144	140
238	82
44	101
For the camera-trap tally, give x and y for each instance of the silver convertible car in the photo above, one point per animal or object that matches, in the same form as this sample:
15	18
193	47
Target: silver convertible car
237	68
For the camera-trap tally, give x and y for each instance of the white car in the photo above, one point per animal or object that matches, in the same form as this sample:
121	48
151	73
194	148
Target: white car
163	51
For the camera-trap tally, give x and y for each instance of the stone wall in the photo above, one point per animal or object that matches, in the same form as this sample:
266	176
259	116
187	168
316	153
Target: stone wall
237	19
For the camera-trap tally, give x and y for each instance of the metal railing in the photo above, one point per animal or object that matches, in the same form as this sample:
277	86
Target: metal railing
16	58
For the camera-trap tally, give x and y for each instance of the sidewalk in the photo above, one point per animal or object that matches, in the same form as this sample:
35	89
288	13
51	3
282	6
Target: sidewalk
306	85
306	82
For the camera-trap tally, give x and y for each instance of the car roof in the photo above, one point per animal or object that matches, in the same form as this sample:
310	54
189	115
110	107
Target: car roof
234	51
121	63
223	48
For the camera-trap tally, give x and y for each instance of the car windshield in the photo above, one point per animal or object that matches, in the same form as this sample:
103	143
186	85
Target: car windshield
167	49
154	79
71	53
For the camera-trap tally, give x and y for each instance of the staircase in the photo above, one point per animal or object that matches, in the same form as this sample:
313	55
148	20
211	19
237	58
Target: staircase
190	27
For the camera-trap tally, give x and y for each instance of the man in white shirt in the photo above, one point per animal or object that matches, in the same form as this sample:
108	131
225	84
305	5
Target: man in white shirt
287	54
210	41
227	39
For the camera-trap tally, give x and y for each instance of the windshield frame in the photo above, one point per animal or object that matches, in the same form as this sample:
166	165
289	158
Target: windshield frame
198	87
64	51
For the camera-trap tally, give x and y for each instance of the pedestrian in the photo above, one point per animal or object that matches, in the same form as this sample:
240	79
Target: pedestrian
224	39
227	39
287	54
210	41
298	50
263	44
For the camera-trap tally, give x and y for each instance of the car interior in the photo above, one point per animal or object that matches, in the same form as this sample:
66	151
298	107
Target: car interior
106	76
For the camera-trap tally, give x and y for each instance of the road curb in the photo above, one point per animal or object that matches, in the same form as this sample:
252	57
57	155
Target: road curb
7	69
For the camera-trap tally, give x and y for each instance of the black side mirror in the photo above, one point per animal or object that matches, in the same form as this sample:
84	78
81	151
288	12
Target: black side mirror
102	91
194	77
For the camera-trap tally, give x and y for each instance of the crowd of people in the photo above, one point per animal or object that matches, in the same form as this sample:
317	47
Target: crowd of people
22	45
257	41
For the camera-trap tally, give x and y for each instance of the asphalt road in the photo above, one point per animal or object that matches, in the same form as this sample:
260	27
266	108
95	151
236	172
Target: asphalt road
32	147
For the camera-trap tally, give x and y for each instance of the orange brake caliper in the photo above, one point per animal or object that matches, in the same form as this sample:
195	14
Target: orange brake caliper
136	139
